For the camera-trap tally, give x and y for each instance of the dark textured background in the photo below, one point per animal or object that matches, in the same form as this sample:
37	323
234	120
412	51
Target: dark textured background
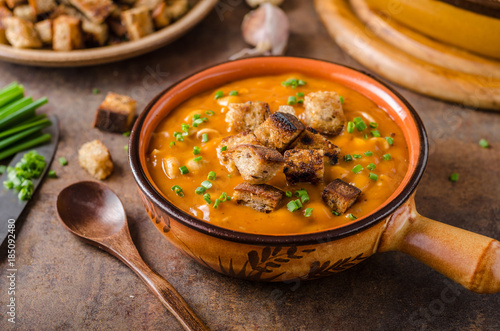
64	284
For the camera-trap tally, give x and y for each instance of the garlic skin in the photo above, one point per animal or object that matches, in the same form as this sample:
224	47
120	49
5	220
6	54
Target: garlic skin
255	3
267	29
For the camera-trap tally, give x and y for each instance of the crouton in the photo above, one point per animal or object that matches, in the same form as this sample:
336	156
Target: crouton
3	38
116	113
279	130
225	157
311	139
323	112
65	10
4	12
42	6
149	4
21	33
94	10
14	3
67	33
95	34
161	16
138	22
25	12
94	157
256	164
44	29
177	8
339	195
304	165
287	110
246	116
261	197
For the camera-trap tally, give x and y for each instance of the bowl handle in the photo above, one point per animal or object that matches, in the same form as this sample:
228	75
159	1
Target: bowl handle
468	258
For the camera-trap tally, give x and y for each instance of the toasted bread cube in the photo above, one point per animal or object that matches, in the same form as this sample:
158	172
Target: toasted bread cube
323	112
14	3
21	33
3	38
94	157
42	6
256	164
286	109
25	12
312	139
279	131
304	165
65	10
161	16
246	116
44	29
225	157
339	195
149	4
94	10
261	197
116	113
94	33
177	8
67	33
4	12
138	22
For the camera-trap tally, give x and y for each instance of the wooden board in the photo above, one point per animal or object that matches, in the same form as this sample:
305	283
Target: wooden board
351	34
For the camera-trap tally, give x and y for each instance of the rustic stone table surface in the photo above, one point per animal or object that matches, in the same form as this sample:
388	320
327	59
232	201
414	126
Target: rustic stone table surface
65	284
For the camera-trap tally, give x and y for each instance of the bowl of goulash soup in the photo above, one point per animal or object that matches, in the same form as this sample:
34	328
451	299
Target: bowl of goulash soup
281	168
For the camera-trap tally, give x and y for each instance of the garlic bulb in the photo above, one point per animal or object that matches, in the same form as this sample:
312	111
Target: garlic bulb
255	3
267	29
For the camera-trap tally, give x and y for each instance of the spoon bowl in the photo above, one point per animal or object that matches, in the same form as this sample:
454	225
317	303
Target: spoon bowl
94	213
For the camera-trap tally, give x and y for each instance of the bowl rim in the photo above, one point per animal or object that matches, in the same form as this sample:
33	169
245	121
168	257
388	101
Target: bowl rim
267	239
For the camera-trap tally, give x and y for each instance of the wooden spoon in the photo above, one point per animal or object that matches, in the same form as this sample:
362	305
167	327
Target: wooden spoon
94	213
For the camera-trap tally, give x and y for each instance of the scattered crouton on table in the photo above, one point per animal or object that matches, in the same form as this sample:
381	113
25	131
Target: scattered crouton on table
279	130
94	157
116	113
304	165
257	164
323	112
339	195
261	197
246	116
224	151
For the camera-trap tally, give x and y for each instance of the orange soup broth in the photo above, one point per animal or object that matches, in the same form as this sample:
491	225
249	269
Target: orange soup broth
281	221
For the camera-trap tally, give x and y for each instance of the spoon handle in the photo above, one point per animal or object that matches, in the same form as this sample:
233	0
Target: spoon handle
163	290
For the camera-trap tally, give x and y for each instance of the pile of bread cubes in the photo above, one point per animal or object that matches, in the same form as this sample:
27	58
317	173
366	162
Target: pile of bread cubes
268	143
66	25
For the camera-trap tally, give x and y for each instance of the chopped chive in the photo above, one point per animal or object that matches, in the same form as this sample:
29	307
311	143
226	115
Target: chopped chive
223	197
178	190
185	127
347	158
206	184
357	168
368	153
292	206
298	203
126	134
52	174
228	198
204	138
300	82
300	101
95	91
210	112
63	161
2	169
125	147
196	116
356	156
219	94
178	136
352	217
292	100
361	126
300	94
196	150
198	159
301	192
335	213
387	156
373	125
341	98
373	176
233	93
211	175
371	166
172	143
484	143
350	127
375	133
365	136
197	122
216	203
199	190
304	198
308	212
454	177
288	194
357	120
184	170
223	148
389	140
207	197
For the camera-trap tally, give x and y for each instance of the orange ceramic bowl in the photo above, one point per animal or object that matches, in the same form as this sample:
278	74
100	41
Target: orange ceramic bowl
470	259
